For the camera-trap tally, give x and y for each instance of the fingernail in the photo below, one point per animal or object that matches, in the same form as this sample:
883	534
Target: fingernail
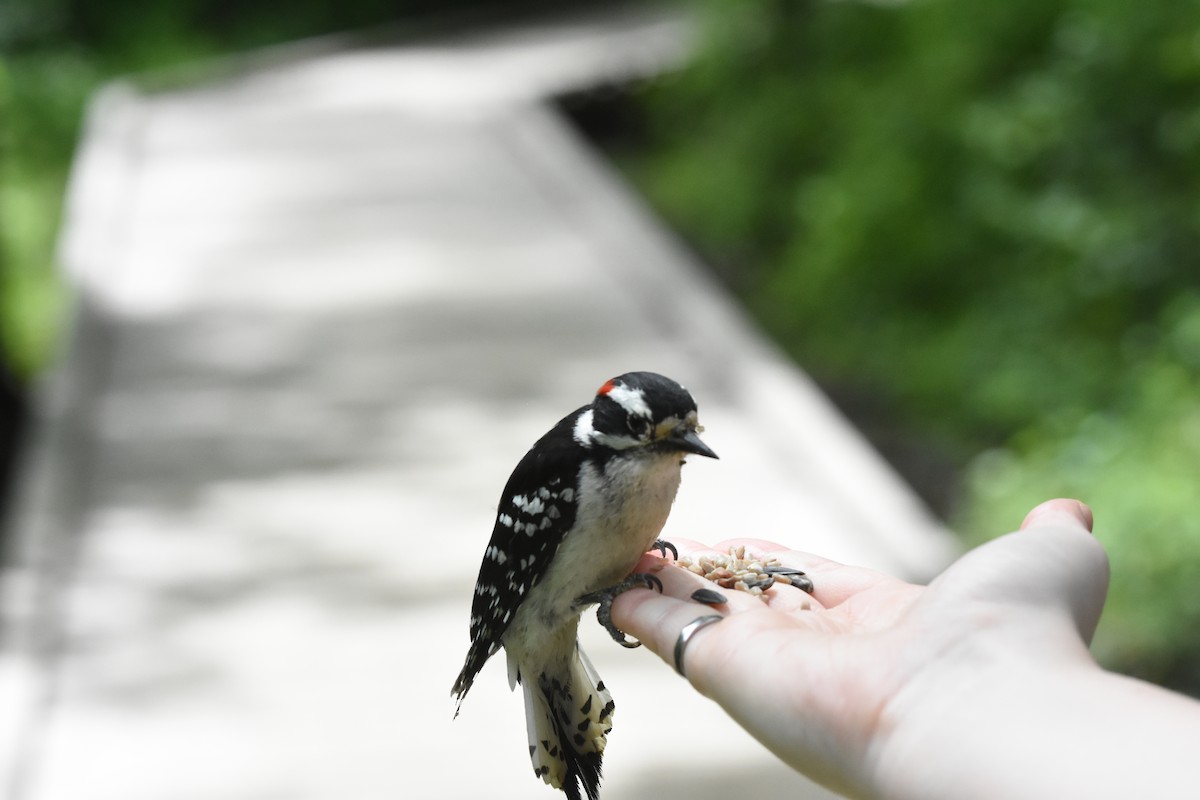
708	597
1080	512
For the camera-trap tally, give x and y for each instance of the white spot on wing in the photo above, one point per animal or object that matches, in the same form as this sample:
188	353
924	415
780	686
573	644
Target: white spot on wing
534	506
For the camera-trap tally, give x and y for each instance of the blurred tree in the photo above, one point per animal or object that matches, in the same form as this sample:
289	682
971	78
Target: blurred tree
983	218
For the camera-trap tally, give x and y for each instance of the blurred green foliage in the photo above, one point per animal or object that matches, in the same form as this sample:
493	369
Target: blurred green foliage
40	105
54	56
984	216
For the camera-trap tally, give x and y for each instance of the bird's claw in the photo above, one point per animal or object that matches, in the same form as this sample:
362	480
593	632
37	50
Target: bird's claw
662	546
605	597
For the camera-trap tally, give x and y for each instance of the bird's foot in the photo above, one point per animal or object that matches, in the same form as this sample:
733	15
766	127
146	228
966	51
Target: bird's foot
605	597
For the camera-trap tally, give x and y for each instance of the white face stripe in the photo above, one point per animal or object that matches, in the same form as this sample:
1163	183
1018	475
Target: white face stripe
632	400
584	432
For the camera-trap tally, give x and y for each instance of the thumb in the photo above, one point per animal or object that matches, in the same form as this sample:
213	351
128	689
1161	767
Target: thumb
1069	522
1059	512
1052	566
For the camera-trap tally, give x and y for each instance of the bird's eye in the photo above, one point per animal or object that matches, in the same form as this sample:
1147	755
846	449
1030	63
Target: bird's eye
640	427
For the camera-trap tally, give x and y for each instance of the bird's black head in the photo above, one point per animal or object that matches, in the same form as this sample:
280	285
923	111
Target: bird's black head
643	410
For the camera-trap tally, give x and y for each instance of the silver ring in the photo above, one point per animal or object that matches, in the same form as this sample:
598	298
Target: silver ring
687	633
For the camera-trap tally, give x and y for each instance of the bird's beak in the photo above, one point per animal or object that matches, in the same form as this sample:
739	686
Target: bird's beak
687	441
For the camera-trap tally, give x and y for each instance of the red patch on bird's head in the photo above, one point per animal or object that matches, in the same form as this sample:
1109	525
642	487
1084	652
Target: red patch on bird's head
606	388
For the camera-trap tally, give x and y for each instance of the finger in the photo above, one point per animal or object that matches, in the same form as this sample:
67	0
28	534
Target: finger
657	620
1052	568
1062	512
754	545
1073	559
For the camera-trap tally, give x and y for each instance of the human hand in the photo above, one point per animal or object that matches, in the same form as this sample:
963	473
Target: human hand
844	685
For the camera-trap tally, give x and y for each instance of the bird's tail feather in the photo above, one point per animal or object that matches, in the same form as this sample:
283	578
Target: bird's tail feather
568	719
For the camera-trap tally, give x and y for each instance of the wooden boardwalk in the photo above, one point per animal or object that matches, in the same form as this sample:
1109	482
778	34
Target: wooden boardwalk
326	301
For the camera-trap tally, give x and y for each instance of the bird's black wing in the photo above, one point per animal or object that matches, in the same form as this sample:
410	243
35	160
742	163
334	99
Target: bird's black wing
536	509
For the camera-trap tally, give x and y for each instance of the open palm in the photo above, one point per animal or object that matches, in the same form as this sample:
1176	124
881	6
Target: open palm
839	683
